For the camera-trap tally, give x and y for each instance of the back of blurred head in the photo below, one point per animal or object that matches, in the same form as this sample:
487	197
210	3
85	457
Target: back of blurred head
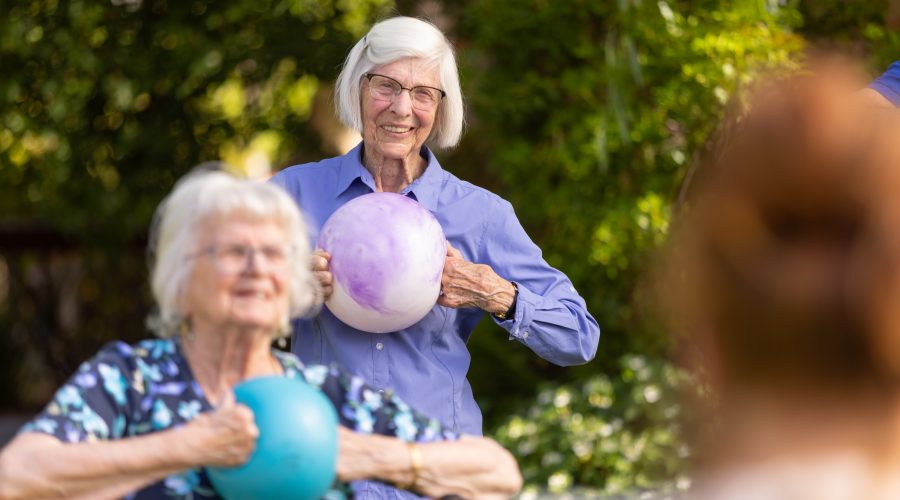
788	257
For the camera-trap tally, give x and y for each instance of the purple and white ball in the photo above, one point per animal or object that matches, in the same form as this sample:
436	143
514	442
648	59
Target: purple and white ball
387	256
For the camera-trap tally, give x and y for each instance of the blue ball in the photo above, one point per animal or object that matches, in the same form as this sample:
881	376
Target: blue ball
296	453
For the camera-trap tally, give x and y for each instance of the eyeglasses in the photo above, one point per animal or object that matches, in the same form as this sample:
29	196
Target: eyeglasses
385	88
234	258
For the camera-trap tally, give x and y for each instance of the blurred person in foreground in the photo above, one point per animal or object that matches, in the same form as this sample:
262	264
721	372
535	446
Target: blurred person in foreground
787	270
399	88
229	271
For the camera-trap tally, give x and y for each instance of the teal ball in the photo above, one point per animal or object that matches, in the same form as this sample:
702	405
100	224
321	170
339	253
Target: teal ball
296	452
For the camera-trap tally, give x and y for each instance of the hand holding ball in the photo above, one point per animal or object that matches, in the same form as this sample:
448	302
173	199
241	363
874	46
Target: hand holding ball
387	255
296	451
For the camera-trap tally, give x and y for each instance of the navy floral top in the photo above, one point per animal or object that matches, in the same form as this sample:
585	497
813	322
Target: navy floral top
130	390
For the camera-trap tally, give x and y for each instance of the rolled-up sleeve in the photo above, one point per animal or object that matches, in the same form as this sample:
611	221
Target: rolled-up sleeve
551	318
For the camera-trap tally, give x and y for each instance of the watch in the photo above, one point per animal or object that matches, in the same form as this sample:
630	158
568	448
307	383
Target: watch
512	308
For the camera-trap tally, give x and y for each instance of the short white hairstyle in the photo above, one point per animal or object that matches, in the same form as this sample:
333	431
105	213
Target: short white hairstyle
389	41
208	197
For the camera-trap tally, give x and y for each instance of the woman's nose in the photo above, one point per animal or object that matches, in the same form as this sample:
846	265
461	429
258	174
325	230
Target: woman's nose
402	103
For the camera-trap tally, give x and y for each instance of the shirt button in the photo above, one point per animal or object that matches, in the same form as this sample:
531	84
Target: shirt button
379	346
525	336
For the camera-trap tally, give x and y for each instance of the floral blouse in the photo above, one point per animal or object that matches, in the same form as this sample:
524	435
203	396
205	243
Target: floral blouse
130	390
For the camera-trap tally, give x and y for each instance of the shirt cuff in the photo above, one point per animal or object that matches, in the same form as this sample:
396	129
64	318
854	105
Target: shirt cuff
519	324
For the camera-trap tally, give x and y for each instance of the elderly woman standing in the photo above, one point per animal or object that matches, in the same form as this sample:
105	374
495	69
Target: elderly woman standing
400	89
146	418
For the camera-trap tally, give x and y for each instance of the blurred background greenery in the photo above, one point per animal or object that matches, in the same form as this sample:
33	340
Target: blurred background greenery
587	115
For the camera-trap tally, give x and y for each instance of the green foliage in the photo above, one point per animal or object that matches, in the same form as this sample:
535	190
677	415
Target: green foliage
106	103
102	106
587	117
836	22
613	435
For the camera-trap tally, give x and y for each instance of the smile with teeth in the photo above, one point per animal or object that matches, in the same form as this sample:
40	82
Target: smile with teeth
396	130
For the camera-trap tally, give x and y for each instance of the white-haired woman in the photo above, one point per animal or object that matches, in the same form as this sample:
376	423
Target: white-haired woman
400	89
144	419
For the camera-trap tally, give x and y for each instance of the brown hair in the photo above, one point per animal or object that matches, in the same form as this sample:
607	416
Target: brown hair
786	259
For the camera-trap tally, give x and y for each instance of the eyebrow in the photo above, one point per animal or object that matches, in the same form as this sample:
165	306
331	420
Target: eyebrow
434	86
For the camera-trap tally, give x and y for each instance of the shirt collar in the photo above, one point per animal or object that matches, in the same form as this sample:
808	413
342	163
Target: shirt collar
352	169
424	189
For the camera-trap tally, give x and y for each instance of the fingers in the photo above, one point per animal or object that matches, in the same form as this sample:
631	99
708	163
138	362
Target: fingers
452	252
319	260
227	435
326	283
244	434
246	421
325	278
319	263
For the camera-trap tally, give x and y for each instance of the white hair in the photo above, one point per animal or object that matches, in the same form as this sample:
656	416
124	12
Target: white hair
206	197
389	41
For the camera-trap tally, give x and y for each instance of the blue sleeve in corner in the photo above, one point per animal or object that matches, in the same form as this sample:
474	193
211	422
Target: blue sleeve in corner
888	84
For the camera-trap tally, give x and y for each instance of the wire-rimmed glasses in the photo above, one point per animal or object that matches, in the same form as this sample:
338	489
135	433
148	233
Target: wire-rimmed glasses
385	88
235	258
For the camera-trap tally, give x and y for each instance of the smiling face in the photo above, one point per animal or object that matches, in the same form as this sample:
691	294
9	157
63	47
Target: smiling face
250	296
395	130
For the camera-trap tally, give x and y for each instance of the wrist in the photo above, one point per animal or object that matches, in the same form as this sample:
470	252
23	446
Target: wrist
415	467
510	311
186	445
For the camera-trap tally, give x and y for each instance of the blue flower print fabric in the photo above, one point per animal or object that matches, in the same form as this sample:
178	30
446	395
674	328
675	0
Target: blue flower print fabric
131	390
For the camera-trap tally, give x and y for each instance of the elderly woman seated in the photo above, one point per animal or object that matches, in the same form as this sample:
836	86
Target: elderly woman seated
230	270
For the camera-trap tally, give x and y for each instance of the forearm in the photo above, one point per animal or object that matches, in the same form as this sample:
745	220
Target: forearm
372	457
36	465
120	490
498	295
470	468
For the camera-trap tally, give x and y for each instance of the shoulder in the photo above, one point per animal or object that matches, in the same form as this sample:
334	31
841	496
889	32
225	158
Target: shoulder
118	363
455	190
296	174
118	352
147	350
315	375
292	365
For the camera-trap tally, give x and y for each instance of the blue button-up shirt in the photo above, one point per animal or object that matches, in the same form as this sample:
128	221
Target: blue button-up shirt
426	364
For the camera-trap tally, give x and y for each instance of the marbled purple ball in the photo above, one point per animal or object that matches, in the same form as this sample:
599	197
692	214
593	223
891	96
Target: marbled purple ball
387	256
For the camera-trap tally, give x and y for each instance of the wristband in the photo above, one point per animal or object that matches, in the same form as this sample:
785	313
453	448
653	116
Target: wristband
512	309
415	460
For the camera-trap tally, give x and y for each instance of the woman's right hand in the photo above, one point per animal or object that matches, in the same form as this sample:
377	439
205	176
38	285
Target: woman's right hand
320	267
226	436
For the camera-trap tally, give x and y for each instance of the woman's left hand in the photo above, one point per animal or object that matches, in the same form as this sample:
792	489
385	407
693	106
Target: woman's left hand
464	284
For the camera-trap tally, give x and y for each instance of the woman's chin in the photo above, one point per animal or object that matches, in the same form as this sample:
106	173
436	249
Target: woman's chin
396	151
256	322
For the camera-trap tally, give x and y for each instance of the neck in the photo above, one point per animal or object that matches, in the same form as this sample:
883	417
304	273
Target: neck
392	175
221	358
